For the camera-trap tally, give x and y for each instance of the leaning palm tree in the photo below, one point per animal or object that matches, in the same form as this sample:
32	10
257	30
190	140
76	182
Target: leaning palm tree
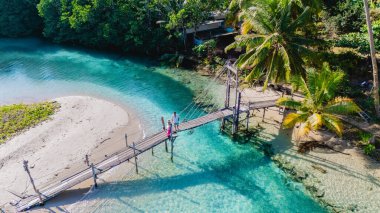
320	106
272	40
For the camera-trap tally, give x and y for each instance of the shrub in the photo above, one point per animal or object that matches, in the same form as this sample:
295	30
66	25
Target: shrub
359	40
207	48
18	117
365	137
369	148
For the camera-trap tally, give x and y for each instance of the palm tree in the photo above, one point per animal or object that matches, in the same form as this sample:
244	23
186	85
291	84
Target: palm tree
374	61
276	48
320	107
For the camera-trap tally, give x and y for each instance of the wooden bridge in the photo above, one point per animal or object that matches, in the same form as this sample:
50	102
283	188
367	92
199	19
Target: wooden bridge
127	154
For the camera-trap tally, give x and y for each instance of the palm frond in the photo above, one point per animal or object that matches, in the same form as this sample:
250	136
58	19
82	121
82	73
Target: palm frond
341	106
301	20
289	103
293	118
246	41
333	123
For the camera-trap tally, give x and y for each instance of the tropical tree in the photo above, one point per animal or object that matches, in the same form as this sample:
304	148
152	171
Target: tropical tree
320	106
273	42
374	60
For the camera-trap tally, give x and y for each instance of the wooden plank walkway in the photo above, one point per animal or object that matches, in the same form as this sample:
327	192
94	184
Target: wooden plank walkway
125	154
54	189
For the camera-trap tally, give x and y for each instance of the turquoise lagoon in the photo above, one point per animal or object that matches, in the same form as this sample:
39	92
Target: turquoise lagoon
210	173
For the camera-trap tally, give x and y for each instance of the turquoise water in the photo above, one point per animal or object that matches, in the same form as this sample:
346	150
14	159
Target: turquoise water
210	172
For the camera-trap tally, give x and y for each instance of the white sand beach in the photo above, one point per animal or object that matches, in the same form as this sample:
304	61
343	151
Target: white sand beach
82	125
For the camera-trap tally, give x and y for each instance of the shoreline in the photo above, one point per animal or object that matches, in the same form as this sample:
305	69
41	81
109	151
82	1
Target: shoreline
83	125
307	169
340	182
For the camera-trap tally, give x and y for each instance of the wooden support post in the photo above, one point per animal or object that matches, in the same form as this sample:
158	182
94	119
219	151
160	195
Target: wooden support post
172	147
152	151
134	152
237	100
94	175
265	109
126	141
32	182
222	124
233	121
247	120
236	114
166	145
163	123
87	161
228	90
227	98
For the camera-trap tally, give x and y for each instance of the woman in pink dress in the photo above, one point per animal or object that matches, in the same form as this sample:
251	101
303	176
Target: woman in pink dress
169	129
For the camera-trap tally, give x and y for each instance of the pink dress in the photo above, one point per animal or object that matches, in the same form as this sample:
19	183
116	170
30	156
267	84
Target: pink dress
169	131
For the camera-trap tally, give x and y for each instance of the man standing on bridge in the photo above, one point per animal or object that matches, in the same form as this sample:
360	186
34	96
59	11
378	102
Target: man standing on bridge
175	121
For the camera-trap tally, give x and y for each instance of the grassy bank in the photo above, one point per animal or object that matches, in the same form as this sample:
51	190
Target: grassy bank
18	117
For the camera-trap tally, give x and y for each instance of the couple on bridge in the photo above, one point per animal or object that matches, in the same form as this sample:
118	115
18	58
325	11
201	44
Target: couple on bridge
175	120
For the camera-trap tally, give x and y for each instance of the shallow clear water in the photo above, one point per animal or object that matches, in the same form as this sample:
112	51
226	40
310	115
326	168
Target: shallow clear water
210	172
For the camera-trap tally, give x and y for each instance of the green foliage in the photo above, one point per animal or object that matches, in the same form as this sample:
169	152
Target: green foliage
345	15
352	63
369	148
273	40
19	18
18	117
192	13
366	141
320	106
207	48
129	25
359	40
365	137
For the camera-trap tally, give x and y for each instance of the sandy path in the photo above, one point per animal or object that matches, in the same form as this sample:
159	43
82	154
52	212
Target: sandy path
83	125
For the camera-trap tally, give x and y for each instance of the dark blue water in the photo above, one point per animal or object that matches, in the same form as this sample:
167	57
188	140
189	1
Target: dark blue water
210	173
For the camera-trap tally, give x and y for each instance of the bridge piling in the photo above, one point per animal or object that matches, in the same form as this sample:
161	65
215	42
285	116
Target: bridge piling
86	160
247	124
134	152
172	147
265	109
26	168
235	128
94	175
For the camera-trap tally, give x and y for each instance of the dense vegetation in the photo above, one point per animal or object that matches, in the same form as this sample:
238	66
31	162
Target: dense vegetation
146	26
17	117
155	25
279	38
19	18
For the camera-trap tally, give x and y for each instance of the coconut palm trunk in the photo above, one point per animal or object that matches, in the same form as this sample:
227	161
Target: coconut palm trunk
374	61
